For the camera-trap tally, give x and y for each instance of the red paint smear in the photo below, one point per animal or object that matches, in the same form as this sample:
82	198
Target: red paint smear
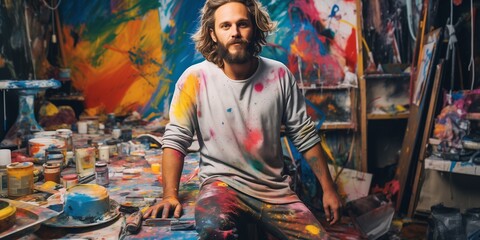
212	133
309	51
253	138
96	90
281	73
351	51
258	87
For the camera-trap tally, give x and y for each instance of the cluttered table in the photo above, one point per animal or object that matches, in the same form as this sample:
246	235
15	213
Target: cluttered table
134	185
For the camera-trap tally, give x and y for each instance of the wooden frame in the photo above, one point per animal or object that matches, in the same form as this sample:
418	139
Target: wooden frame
416	121
424	68
320	101
426	134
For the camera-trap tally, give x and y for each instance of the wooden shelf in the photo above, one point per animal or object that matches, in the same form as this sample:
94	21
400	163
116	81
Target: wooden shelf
320	87
386	116
387	76
443	165
335	126
473	116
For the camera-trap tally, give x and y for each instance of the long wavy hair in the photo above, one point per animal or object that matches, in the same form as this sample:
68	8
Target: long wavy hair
263	25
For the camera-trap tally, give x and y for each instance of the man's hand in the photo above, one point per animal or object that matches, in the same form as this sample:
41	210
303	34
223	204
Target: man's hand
167	205
332	205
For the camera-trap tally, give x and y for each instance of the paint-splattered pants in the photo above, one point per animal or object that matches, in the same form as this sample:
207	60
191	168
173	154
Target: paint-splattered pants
221	212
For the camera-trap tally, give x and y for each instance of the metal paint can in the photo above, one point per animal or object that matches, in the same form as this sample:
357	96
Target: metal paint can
3	180
70	180
20	179
101	174
51	172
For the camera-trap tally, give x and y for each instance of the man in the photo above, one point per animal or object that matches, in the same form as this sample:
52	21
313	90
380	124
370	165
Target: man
236	102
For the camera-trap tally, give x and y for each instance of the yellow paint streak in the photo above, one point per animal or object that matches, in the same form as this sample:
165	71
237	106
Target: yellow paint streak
185	100
326	148
312	229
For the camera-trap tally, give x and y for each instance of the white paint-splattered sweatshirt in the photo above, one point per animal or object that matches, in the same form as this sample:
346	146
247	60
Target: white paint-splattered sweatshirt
237	123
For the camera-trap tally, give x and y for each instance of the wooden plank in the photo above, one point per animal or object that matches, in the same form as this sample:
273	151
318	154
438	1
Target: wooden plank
426	134
363	125
373	116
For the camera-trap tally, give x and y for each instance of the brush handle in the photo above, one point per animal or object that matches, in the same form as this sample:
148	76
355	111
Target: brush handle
133	222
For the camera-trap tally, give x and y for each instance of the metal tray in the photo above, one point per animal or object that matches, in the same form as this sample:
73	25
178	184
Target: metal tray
28	218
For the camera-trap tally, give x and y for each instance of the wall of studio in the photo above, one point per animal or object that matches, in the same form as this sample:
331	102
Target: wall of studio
136	50
126	56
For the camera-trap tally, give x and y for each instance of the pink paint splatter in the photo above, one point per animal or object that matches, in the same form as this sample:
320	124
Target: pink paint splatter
259	87
212	133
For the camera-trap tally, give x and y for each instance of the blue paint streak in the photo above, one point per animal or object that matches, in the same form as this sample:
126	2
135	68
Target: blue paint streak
452	165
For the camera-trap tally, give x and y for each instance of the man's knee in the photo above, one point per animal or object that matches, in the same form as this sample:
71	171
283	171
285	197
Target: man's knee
216	227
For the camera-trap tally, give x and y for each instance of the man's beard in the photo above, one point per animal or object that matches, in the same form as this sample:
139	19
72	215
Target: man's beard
240	57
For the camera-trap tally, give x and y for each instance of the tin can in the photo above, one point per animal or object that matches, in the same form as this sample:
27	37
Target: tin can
101	174
70	180
3	180
20	179
55	155
113	147
66	135
104	153
51	172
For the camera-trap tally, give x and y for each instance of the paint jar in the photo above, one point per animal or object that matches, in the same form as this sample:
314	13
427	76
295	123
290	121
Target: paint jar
66	135
126	134
113	147
3	180
55	156
104	153
101	174
85	160
20	179
69	158
155	168
116	133
70	180
91	128
110	123
51	172
82	127
5	157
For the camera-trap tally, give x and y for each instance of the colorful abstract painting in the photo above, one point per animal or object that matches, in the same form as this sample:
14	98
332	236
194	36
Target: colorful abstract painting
127	55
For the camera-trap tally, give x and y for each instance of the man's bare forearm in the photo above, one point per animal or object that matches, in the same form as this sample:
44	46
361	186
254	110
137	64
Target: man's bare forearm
172	166
317	161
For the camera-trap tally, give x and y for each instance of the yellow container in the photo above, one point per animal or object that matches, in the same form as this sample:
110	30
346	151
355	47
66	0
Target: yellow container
20	179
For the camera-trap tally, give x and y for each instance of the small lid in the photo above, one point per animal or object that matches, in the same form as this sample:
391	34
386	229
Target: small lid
17	165
100	164
112	142
51	165
72	176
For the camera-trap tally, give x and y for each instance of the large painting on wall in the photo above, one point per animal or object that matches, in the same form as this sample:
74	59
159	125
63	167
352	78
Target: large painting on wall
127	55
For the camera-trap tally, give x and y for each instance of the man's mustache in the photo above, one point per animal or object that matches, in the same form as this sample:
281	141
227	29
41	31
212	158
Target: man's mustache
235	41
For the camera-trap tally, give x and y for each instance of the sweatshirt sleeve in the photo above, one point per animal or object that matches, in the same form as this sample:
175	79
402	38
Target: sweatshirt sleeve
300	128
180	129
